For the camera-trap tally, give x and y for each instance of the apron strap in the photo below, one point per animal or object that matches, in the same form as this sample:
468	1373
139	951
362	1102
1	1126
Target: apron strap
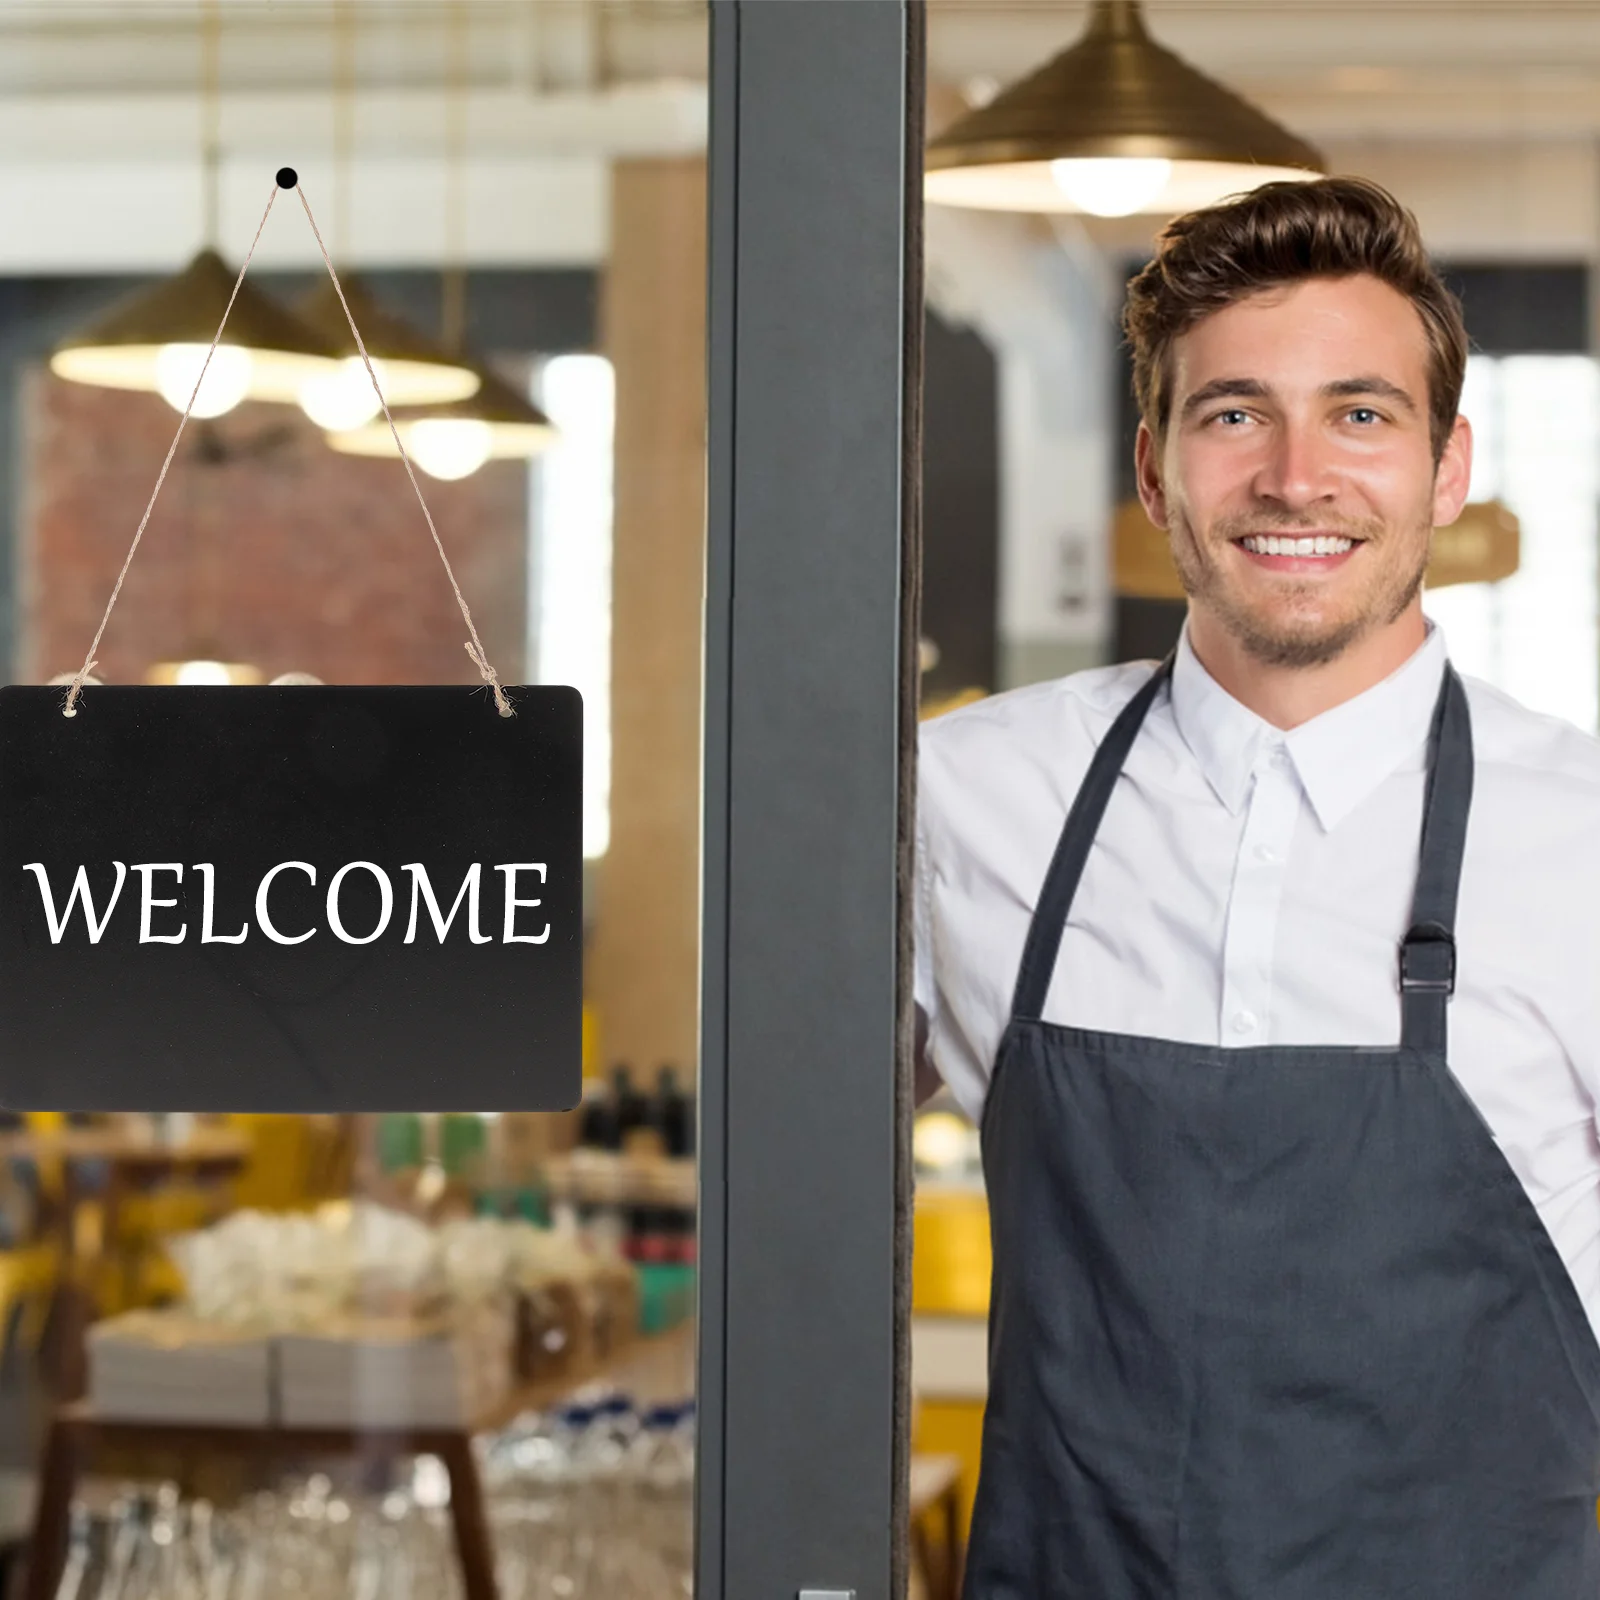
1072	850
1428	951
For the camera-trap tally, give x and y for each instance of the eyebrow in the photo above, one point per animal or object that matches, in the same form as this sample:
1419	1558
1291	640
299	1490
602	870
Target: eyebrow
1341	388
1370	383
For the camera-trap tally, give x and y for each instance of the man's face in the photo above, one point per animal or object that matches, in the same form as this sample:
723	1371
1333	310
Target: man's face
1301	414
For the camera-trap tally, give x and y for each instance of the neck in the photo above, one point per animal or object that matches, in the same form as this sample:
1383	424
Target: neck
1285	697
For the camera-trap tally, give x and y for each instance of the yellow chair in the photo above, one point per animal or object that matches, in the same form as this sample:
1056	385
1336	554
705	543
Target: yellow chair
28	1278
296	1162
950	1268
30	1272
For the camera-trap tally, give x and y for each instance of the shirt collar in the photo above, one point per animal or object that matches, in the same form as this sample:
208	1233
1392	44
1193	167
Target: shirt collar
1340	757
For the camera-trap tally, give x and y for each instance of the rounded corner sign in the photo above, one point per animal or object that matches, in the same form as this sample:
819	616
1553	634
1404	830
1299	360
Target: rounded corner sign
291	899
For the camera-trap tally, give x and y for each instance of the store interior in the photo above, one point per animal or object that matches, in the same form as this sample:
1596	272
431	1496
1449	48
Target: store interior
1480	119
385	1354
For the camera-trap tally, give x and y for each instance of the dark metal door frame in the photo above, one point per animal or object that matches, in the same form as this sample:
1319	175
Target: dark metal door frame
815	313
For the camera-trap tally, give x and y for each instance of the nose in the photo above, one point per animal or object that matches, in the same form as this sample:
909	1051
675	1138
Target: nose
1296	470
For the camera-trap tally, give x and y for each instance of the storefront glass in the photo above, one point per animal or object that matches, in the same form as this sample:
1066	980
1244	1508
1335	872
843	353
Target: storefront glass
371	1352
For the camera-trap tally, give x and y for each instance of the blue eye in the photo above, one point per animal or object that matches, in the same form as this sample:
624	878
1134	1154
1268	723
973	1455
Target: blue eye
1234	414
1364	414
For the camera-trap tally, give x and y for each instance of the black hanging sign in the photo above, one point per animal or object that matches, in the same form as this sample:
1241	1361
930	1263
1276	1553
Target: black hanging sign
290	899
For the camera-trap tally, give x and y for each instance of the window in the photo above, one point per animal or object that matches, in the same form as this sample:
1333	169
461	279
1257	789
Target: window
569	581
1536	425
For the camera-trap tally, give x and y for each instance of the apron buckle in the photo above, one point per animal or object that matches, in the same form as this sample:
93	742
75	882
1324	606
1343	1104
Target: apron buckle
1428	959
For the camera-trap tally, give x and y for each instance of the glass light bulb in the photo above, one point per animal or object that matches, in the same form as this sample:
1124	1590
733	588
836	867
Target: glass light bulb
449	447
344	398
226	382
1113	187
204	674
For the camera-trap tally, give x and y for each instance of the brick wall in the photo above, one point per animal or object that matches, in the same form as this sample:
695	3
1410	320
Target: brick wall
280	553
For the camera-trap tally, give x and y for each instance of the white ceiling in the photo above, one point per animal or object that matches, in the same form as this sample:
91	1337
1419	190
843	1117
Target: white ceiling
1486	114
1342	46
1355	68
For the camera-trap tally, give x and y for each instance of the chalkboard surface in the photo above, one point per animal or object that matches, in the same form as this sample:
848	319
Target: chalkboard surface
290	899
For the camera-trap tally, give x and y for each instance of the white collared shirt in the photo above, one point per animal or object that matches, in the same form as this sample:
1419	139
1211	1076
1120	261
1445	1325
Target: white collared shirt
1249	886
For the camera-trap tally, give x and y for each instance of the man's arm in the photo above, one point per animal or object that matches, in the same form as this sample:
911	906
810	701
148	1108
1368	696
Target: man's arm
928	1084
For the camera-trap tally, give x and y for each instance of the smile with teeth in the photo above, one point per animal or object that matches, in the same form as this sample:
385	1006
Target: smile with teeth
1318	545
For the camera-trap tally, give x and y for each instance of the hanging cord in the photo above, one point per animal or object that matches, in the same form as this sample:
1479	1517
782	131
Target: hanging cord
474	646
344	116
211	119
70	708
453	284
287	179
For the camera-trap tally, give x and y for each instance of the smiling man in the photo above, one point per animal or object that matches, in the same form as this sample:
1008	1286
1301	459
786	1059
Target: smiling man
1272	974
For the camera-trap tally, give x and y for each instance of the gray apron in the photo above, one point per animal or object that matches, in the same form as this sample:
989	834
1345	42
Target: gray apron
1274	1323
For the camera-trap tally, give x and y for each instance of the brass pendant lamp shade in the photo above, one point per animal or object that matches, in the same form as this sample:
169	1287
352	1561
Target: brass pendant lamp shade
1113	125
453	440
413	369
156	339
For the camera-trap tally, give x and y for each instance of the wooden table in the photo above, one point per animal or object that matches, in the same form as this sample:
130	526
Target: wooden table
132	1146
135	1160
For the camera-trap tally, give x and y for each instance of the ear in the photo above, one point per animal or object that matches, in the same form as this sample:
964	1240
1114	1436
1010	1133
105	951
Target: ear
1147	469
1454	475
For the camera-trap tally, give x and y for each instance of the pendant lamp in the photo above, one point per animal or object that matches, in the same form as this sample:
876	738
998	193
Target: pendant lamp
158	338
1115	124
412	368
452	441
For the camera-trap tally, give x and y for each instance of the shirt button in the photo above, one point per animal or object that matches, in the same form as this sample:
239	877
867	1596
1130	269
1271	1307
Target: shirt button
1245	1021
1280	756
1265	852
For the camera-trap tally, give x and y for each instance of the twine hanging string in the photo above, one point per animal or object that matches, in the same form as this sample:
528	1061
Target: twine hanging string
287	179
474	646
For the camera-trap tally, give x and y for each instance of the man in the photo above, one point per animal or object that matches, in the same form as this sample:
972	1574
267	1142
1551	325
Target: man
1274	979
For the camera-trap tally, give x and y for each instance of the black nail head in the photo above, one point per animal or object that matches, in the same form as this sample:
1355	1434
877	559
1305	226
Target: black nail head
287	177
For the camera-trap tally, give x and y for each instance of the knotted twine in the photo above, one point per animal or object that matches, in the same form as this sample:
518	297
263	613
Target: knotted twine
287	179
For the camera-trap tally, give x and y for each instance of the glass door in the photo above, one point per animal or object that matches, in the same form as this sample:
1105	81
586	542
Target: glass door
360	1350
652	1345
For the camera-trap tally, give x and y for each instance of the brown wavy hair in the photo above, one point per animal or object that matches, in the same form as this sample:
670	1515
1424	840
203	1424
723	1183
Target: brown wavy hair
1279	234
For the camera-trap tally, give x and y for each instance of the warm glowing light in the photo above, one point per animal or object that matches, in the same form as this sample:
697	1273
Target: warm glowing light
226	382
570	513
1114	187
195	674
940	1140
343	398
449	447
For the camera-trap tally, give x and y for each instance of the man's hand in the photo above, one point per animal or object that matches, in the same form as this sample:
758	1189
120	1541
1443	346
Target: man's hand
927	1079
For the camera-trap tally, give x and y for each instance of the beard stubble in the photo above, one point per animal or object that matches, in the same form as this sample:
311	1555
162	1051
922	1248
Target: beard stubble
1281	640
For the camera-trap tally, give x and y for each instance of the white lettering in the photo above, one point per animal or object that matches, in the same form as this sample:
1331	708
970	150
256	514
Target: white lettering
147	902
80	891
422	890
264	917
511	869
208	912
469	895
385	889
